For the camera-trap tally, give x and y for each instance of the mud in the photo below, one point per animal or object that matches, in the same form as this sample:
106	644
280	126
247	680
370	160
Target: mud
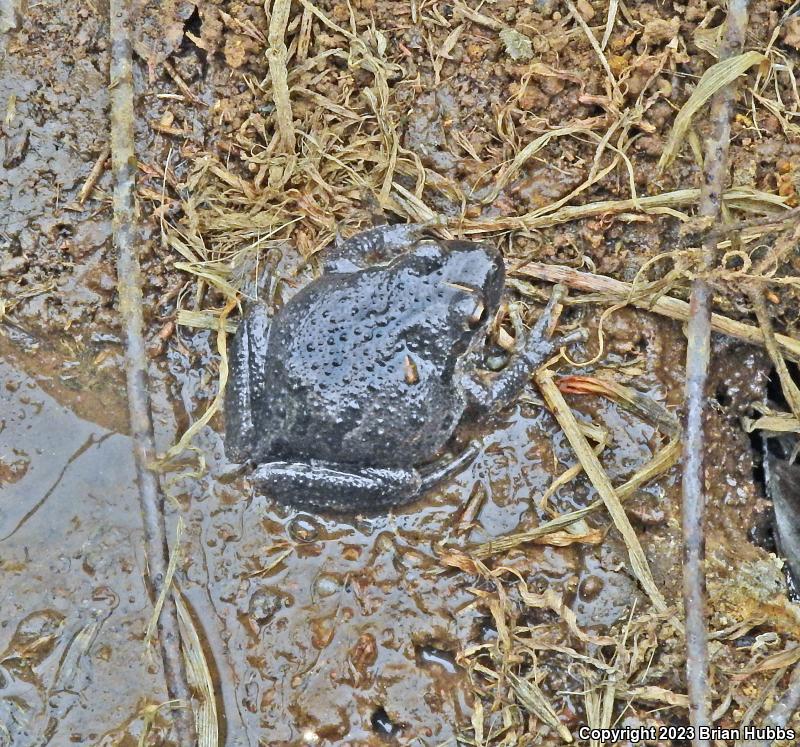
318	629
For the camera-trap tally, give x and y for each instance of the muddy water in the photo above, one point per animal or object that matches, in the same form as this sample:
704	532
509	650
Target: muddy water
73	605
326	630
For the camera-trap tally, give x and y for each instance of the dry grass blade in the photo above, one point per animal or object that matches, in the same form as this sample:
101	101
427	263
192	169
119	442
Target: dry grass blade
273	563
667	306
755	706
186	439
624	396
94	175
477	723
789	388
509	171
602	484
277	57
568	476
778	660
775	422
655	696
666	202
613	7
197	670
152	626
715	78
149	714
203	320
551	600
665	459
473	15
596	47
533	700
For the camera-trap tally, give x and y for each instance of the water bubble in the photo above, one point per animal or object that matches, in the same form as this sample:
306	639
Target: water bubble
304	528
327	584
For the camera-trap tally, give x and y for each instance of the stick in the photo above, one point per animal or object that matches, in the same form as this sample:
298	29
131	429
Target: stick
697	359
782	711
94	175
123	164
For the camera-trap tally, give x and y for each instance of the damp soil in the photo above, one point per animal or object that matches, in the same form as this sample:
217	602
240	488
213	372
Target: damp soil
323	629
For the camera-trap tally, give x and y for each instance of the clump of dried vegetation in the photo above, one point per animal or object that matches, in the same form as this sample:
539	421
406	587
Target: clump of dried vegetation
325	150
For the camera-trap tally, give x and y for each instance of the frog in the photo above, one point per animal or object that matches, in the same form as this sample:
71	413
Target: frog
347	397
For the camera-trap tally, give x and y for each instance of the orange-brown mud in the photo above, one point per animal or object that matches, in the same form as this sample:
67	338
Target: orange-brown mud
359	635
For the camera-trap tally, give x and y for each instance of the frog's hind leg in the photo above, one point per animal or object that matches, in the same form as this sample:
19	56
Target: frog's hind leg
247	354
334	488
373	247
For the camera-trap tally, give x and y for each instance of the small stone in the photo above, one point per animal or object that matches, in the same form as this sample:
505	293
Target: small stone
591	587
661	31
518	46
791	33
545	7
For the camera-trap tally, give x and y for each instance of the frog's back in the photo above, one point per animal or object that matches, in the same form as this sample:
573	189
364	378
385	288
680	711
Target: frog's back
358	371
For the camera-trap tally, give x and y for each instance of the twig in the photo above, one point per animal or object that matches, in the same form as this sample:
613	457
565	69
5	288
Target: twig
782	711
94	175
775	222
667	306
697	359
123	164
181	83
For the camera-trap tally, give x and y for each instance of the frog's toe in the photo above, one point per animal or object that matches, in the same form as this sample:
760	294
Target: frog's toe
448	466
334	488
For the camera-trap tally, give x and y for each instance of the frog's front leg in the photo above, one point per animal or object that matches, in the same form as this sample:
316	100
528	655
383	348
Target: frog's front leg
247	354
334	487
532	350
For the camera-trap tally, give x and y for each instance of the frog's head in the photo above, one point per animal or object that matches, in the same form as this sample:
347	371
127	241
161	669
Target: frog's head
473	278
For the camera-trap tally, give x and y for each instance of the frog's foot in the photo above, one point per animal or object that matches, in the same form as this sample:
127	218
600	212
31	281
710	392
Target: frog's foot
330	487
533	349
447	466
